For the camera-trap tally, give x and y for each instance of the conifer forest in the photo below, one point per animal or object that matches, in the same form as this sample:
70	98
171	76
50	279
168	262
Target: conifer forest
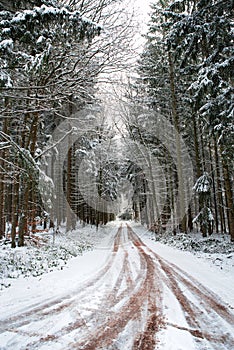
116	174
73	84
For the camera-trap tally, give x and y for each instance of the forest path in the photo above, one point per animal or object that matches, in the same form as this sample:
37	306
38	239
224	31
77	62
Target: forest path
137	300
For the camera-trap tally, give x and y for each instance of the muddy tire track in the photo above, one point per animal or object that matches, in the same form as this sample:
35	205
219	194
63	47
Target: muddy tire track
128	293
56	305
146	292
39	312
208	318
126	300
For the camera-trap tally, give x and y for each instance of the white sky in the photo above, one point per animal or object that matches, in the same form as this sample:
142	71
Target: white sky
144	9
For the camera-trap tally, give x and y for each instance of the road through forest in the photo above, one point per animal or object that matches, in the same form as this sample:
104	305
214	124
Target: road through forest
137	300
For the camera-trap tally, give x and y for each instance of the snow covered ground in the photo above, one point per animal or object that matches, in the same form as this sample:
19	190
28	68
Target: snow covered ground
108	294
210	260
43	253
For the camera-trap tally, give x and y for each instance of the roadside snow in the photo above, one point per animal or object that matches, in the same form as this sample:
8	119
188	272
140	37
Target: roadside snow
41	255
217	250
28	290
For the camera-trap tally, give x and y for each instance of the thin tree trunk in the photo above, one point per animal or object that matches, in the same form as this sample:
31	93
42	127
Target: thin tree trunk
202	151
2	209
214	190
196	147
68	191
28	185
14	220
182	211
229	199
2	184
219	187
154	194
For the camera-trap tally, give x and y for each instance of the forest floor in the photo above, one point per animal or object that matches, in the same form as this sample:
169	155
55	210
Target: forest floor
129	292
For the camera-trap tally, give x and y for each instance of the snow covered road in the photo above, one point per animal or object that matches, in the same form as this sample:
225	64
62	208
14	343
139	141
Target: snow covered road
135	300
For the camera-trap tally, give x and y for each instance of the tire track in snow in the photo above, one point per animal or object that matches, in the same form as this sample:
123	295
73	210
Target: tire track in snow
208	316
211	321
131	301
41	311
59	303
36	315
135	296
147	293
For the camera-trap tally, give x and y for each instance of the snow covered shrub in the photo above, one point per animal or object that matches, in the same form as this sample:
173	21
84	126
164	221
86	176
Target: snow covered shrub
35	260
205	218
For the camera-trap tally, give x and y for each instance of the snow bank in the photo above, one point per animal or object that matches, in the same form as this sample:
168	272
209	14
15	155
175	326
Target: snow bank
34	261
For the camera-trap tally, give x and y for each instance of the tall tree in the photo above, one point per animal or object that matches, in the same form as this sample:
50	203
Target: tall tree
188	60
201	36
36	45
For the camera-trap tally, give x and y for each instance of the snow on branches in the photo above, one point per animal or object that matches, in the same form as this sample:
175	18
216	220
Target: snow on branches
28	37
203	184
205	217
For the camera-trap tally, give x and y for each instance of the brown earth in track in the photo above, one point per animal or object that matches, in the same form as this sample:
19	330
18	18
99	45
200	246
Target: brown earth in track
58	304
132	309
200	320
141	299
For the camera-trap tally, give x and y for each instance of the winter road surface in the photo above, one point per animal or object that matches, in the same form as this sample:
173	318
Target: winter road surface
137	300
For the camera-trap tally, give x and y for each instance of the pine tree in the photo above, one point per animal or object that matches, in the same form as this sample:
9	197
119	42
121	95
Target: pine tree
205	216
201	36
36	42
188	60
162	90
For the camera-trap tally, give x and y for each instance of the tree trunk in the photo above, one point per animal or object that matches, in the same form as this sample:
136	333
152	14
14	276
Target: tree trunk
214	190
156	213
196	148
68	191
2	184
181	190
229	199
219	188
14	220
24	216
2	194
28	183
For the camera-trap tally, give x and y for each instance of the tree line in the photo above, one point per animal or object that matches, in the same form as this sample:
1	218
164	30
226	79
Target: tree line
178	112
185	74
53	54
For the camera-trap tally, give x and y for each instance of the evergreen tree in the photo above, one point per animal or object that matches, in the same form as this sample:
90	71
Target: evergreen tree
201	36
36	44
188	62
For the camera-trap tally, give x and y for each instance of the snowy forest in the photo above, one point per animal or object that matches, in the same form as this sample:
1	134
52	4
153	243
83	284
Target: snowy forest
168	135
116	175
